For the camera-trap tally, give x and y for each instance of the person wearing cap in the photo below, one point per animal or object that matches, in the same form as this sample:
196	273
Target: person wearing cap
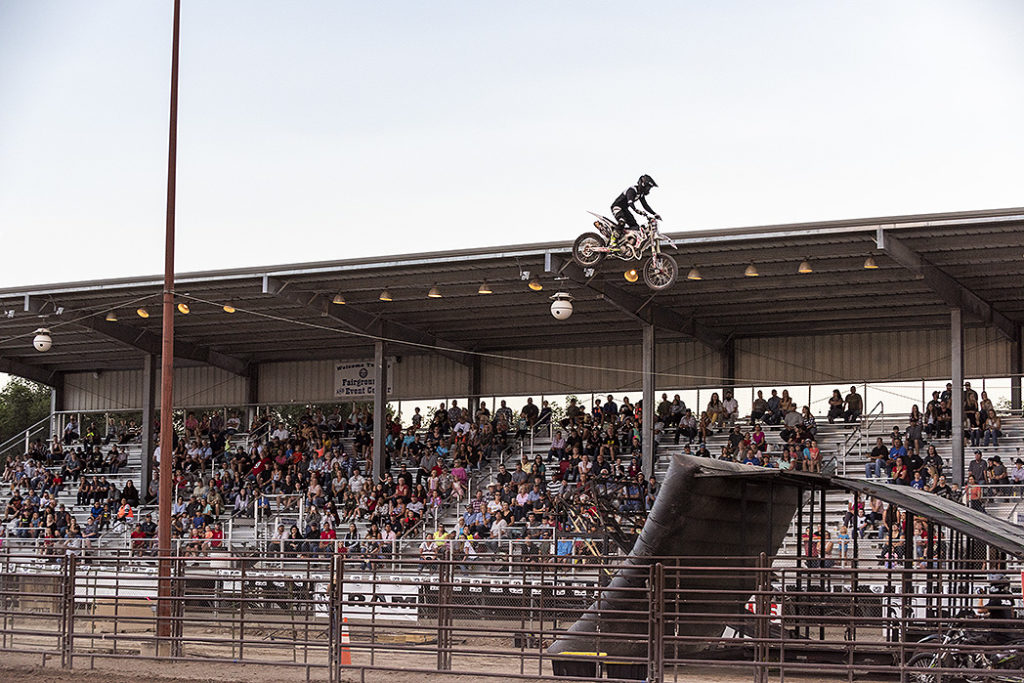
1017	476
978	468
998	610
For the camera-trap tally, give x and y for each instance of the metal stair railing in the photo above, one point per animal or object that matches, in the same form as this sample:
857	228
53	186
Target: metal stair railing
23	438
858	434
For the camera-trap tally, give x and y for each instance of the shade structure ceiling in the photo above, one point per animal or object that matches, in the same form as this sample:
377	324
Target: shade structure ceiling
285	312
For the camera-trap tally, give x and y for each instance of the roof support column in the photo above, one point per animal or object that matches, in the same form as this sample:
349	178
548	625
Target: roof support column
648	446
474	387
1016	368
380	404
149	363
956	349
729	363
252	395
56	403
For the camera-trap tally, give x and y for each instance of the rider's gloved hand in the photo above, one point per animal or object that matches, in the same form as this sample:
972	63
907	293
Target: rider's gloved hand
657	217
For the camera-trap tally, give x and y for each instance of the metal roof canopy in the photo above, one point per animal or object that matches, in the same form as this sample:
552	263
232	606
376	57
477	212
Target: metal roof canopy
927	264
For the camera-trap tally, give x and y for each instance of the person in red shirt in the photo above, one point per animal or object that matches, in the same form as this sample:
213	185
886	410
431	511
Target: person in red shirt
216	536
327	538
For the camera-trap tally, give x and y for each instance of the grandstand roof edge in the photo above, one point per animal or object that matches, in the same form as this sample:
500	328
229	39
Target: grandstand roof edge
522	250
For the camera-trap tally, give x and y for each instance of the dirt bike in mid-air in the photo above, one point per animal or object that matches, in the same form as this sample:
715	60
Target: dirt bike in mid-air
659	270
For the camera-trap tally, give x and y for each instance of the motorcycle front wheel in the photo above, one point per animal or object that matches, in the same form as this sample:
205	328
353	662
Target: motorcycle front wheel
585	249
660	272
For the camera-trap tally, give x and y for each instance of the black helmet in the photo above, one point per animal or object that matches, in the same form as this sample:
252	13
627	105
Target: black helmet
646	182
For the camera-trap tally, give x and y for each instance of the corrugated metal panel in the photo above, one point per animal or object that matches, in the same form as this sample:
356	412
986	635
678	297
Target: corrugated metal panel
114	390
296	382
917	354
428	376
122	389
560	371
913	354
204	386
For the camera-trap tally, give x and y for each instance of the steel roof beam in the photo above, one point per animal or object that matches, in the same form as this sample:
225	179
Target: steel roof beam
948	288
149	342
642	309
36	373
360	321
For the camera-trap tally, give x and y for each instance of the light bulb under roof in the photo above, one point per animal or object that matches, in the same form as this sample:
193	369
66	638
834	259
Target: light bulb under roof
484	288
183	308
142	312
751	271
111	317
694	274
805	267
869	263
338	299
631	275
385	296
435	292
228	308
535	285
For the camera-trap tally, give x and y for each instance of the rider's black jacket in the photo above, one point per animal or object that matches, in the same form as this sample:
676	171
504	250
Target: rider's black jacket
628	199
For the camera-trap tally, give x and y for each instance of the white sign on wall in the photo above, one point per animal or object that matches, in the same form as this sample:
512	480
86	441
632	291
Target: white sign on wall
355	379
396	602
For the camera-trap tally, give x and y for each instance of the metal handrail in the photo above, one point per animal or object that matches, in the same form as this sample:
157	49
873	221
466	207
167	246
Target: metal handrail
23	436
862	426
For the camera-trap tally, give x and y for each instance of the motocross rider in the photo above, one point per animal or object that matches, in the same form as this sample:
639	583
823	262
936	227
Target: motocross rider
625	204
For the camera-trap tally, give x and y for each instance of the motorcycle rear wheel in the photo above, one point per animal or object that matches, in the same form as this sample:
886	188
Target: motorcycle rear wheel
660	272
583	249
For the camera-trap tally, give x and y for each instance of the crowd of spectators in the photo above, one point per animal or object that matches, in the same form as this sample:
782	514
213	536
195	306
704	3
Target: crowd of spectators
314	469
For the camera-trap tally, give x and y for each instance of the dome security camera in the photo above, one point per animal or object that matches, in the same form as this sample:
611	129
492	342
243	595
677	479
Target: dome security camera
561	305
42	341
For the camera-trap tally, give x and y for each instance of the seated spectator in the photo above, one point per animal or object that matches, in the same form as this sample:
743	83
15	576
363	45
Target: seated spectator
993	428
836	406
854	406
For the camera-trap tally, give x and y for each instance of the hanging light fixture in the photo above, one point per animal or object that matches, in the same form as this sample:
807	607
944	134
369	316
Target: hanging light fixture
338	299
631	275
869	263
111	317
142	312
694	274
183	308
805	267
435	292
751	271
535	285
385	296
228	308
484	288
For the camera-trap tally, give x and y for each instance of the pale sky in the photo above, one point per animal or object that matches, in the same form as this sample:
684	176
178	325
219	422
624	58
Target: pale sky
326	130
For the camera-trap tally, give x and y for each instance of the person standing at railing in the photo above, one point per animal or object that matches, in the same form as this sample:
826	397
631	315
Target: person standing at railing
854	406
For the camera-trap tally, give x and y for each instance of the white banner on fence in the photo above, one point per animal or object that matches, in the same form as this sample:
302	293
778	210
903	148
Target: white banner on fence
355	380
395	602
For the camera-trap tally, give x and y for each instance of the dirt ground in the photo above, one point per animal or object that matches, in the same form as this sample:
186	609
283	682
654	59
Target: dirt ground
30	669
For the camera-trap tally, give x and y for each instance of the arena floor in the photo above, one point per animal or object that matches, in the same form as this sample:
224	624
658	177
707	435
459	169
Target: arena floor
16	667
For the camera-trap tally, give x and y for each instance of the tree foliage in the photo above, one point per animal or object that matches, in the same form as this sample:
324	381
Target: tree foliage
22	404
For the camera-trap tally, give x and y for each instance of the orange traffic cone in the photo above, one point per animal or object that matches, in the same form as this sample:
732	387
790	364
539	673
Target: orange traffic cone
346	656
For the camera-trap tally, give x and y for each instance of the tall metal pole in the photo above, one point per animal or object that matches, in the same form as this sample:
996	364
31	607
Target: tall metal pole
167	361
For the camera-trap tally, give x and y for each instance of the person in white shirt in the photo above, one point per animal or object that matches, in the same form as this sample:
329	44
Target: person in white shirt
356	482
732	408
281	433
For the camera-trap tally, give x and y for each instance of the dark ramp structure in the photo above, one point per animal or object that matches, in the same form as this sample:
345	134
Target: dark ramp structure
721	516
716	514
